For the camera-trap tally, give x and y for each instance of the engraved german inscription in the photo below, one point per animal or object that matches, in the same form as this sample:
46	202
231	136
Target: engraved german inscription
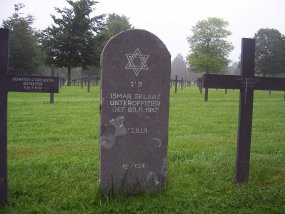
135	103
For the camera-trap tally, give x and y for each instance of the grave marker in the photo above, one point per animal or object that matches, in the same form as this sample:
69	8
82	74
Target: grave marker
247	83
199	82
136	69
52	72
176	81
14	84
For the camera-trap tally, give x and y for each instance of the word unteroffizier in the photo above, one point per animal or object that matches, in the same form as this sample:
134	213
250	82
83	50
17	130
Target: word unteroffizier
134	103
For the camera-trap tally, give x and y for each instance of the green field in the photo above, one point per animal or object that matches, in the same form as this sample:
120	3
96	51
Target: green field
53	155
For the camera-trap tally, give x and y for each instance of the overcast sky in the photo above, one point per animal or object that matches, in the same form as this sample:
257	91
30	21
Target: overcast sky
172	20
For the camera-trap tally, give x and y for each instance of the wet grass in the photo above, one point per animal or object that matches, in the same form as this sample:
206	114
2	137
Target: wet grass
53	155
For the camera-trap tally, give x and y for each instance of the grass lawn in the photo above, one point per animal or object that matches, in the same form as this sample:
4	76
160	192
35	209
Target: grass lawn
53	155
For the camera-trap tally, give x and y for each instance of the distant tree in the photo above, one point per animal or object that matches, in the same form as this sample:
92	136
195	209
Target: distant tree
24	50
234	69
209	49
114	25
178	67
70	41
270	52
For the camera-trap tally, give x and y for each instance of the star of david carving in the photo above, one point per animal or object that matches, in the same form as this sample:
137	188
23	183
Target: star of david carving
135	66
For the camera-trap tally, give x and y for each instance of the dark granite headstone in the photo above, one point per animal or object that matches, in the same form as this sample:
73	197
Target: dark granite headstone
136	68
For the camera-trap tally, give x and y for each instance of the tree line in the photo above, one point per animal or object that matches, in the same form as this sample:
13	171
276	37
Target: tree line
209	49
77	37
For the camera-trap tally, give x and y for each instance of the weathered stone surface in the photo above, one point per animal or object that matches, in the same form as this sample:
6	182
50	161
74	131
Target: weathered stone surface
136	69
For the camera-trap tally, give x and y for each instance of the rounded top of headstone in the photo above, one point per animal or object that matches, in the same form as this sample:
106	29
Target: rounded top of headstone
135	55
135	37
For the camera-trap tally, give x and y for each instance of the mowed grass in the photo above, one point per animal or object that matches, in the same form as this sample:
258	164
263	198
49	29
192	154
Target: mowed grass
53	155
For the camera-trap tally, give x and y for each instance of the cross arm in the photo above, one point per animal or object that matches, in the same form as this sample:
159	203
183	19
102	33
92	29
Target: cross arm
40	84
268	83
221	81
239	82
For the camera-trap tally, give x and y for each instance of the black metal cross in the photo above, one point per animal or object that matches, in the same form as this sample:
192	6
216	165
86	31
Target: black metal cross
14	84
247	83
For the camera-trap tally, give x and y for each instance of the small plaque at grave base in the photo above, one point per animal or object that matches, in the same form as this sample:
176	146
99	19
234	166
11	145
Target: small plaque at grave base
136	68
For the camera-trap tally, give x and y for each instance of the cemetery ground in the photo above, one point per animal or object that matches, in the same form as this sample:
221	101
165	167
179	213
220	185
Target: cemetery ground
53	155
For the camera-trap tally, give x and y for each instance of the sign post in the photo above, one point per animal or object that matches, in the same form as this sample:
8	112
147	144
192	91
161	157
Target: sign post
14	84
247	83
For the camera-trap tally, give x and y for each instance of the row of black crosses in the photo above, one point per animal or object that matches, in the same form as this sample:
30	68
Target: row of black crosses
246	83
